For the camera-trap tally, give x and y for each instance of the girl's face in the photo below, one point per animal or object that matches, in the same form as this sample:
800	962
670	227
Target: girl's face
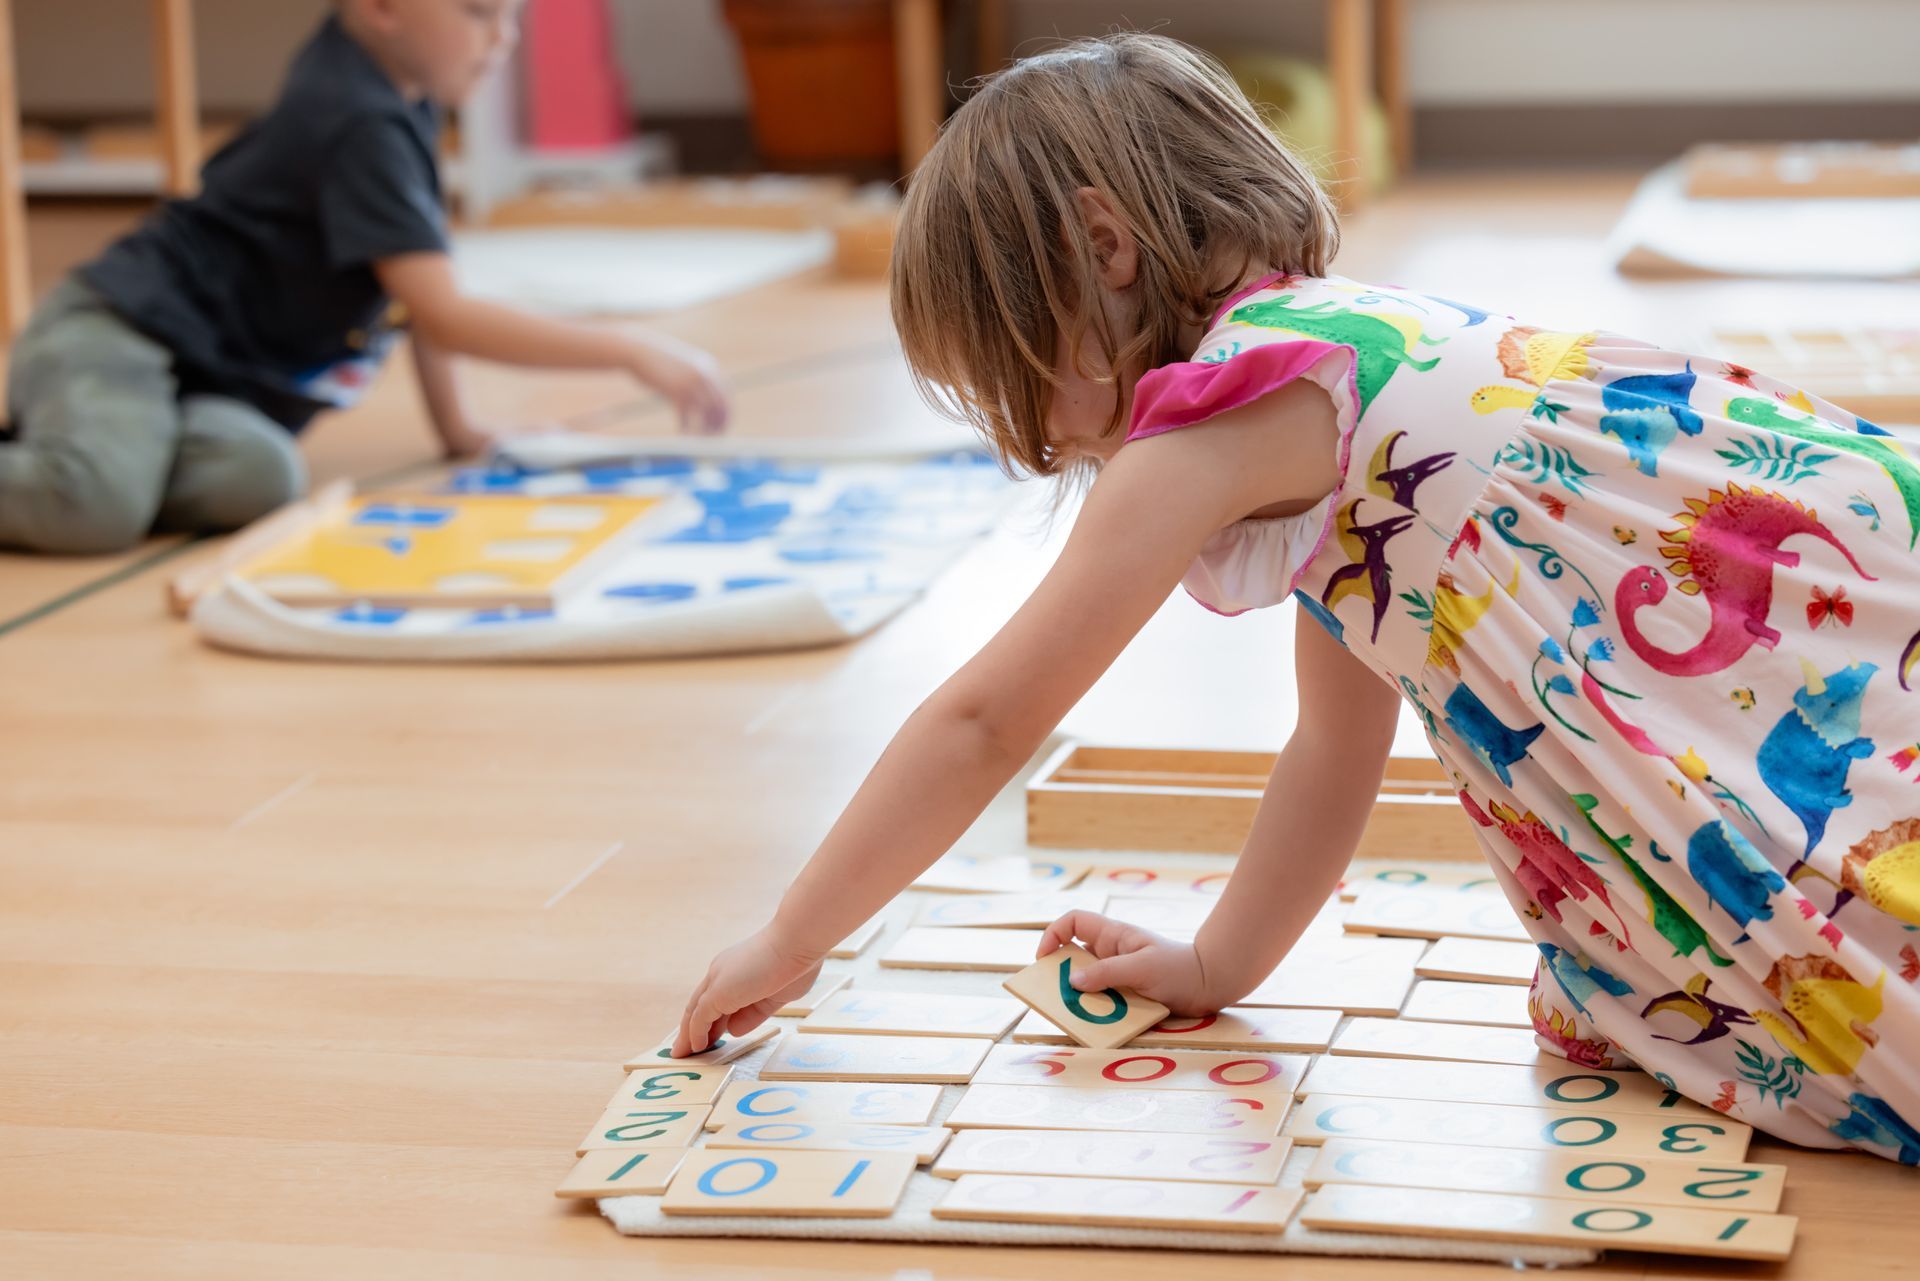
1082	407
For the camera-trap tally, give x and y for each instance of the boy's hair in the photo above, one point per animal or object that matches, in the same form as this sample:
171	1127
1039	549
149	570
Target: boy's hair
993	259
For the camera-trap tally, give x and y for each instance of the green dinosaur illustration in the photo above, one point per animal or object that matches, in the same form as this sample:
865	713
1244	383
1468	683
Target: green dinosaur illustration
1671	921
1880	450
1380	345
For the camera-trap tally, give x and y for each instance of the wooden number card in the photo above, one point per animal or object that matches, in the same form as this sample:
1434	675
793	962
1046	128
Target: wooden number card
1100	1019
1161	913
1470	876
823	987
927	948
617	1172
855	943
1487	1004
1353	975
923	1142
645	1127
1550	1083
1133	1068
726	1050
1006	911
1179	1158
1753	1189
1118	1202
812	1184
1237	1027
1410	1039
940	1060
667	1086
1727	1234
1332	1116
883	1013
1156	880
1479	961
1433	913
998	874
1253	1113
814	1102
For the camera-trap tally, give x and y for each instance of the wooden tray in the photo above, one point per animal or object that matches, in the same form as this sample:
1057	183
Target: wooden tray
1134	798
1810	170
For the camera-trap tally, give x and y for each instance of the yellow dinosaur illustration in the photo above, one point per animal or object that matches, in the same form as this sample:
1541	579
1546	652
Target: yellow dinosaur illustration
1884	868
1535	357
1455	613
1829	1016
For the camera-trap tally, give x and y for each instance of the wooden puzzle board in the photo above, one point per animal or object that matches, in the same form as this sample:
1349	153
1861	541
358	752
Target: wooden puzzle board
1874	372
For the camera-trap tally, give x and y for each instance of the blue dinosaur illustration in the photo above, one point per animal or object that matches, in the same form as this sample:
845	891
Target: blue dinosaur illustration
1875	1122
1737	877
1485	735
1321	615
1647	412
1804	761
1473	314
1580	979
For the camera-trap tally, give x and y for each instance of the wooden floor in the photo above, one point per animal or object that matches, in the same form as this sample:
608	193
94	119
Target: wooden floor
311	971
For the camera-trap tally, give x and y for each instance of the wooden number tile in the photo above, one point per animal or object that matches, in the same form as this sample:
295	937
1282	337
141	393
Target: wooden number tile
1333	1116
1254	1113
618	1172
1411	1039
1237	1027
1352	975
885	1013
1118	1202
1470	876
1180	1158
1487	1216
1752	1189
1006	911
940	1060
1424	913
925	948
852	1185
1549	1083
1100	1019
1479	961
1132	1068
815	1102
1488	1004
726	1050
998	874
1161	913
645	1127
1156	879
855	943
823	987
670	1087
922	1141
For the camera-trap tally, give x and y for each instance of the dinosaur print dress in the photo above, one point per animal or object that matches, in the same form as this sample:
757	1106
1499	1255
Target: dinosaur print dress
1661	618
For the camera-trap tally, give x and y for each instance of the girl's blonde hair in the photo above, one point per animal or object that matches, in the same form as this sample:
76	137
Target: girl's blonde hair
993	261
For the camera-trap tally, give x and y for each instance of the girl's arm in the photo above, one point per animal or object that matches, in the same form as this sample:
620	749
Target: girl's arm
1143	521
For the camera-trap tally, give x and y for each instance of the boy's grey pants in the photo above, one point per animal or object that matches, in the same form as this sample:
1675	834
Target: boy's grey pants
107	449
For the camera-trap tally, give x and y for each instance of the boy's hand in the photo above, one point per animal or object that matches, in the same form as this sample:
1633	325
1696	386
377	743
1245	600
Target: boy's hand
688	377
744	986
1130	957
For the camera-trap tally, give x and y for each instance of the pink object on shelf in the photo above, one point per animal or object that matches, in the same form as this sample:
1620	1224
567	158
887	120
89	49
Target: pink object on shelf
575	97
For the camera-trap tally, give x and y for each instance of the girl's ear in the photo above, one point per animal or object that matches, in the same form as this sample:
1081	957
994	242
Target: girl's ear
1114	248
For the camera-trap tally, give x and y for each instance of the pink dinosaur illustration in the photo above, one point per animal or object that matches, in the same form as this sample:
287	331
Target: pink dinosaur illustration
1548	869
1562	1033
1726	549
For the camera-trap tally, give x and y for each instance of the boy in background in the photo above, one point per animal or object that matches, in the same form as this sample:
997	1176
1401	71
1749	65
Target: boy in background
162	385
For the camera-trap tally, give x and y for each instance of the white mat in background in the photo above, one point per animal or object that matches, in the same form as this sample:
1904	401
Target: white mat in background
580	271
1666	233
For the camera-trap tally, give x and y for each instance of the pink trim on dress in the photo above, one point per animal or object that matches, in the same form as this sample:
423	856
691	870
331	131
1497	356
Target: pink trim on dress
1265	282
1349	423
1186	393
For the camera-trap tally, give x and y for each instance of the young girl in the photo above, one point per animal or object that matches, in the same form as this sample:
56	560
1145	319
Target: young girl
1657	611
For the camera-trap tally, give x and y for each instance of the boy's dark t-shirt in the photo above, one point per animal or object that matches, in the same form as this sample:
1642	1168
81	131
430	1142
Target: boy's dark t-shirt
262	285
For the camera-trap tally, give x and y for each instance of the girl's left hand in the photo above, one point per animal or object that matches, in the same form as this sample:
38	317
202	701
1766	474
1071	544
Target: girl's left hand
1133	958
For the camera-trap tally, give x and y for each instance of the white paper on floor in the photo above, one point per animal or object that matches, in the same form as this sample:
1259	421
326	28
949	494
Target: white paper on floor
580	271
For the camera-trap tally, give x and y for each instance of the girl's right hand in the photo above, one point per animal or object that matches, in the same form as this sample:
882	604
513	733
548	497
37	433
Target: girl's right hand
745	984
1133	958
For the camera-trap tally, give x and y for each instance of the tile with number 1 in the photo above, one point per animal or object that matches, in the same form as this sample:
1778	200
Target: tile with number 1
808	1184
1118	1203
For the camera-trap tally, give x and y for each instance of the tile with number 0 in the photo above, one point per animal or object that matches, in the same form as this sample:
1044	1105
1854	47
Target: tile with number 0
1134	1068
806	1183
874	1012
1487	1004
1549	1083
1006	911
1470	876
1320	1117
824	986
1412	1039
922	1142
1565	1174
1256	1113
1212	1207
855	943
1423	913
930	948
1237	1027
937	1060
618	1172
645	1127
669	1086
817	1102
1488	1216
1102	1018
1479	961
998	874
1352	975
1178	1158
725	1050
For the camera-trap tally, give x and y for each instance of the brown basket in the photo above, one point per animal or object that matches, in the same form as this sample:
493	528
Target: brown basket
822	78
